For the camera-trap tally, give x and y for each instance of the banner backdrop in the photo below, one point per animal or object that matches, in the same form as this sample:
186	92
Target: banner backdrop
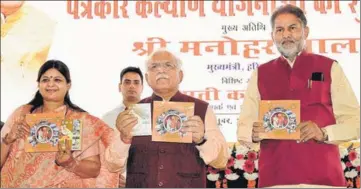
219	42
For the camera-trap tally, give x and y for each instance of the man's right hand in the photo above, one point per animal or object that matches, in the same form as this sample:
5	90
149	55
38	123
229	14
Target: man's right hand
257	129
125	123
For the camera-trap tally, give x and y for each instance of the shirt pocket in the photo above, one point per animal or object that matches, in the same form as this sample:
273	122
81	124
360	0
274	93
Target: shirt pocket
319	92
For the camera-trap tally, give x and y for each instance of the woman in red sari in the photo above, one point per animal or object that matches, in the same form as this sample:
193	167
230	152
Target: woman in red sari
62	169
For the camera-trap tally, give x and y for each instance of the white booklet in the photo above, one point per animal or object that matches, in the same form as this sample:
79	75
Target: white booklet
143	113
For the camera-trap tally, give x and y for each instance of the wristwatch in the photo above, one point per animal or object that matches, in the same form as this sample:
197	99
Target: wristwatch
204	140
325	135
70	160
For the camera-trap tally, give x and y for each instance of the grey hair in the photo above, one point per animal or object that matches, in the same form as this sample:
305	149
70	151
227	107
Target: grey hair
162	50
289	9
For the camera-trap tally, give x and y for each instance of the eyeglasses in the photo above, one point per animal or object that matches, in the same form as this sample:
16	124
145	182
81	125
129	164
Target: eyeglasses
166	66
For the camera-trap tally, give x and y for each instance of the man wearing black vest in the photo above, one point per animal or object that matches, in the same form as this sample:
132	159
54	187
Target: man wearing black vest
161	164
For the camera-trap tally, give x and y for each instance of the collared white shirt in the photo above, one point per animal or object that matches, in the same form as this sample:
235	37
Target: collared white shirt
110	117
293	62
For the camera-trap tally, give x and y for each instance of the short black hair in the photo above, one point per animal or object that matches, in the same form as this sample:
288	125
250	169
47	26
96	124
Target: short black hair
131	69
289	9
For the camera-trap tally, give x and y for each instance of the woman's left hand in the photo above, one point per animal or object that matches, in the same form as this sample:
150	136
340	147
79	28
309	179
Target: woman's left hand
64	156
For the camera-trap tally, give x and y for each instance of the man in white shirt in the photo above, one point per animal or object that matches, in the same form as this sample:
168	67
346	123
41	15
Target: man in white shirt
131	88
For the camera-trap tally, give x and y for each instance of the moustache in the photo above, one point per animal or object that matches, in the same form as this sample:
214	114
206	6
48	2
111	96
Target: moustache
288	41
162	76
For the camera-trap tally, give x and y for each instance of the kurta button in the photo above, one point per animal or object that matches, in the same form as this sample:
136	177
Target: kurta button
161	167
160	184
162	150
292	90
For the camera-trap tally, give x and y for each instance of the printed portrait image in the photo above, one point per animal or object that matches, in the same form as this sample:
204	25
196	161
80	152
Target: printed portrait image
279	120
172	123
44	134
